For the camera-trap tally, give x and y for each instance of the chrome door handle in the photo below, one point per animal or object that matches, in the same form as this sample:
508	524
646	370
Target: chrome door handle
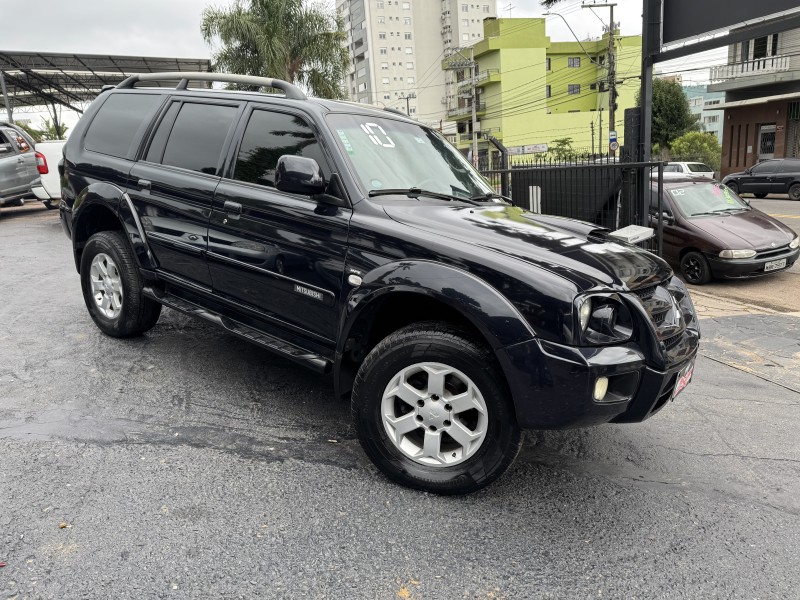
144	184
232	208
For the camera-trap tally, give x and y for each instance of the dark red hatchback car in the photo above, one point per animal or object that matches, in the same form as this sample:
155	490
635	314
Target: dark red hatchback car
710	232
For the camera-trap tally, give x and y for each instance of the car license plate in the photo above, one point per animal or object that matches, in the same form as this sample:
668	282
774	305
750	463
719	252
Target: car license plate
684	377
774	265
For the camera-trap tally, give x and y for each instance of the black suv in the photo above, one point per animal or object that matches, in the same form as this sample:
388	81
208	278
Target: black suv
358	242
776	176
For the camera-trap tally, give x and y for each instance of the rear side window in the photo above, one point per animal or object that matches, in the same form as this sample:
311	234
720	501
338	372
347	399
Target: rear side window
114	127
270	135
699	168
197	137
790	166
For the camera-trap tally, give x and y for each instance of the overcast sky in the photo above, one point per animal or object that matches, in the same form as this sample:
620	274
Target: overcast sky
172	27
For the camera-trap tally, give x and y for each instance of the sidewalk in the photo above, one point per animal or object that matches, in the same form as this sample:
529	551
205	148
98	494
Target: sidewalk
750	338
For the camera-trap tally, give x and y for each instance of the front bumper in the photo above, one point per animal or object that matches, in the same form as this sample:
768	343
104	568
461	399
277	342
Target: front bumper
739	268
552	385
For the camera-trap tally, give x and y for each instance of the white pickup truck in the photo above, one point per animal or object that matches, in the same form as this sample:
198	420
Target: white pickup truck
48	154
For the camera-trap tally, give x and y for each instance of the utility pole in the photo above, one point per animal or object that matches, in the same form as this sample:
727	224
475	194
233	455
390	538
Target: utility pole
474	72
592	123
407	98
600	133
612	68
6	98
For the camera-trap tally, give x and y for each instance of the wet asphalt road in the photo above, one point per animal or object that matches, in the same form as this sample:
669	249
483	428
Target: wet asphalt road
189	464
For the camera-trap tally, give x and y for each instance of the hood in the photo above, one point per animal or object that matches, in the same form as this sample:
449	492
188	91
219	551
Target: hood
576	250
750	229
733	176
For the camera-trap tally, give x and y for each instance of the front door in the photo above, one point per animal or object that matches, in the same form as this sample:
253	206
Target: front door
281	255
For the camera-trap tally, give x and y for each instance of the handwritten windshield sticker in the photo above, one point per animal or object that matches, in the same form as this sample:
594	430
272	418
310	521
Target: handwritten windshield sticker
729	197
678	192
717	190
369	129
345	142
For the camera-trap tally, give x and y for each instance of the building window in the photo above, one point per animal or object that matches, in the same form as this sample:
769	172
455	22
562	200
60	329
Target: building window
406	5
381	35
409	80
380	4
362	87
547	64
465	22
413	110
574	88
409	50
574	61
547	91
410	66
465	37
408	35
385	81
486	8
387	96
406	20
711	102
383	51
361	72
381	19
464	7
385	66
711	119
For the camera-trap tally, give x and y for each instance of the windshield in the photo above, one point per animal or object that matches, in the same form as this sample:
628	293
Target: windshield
698	168
390	154
694	199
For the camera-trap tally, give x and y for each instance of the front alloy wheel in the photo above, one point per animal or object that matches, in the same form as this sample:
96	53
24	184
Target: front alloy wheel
432	410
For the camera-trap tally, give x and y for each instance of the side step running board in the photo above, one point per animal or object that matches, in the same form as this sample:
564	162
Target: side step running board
285	349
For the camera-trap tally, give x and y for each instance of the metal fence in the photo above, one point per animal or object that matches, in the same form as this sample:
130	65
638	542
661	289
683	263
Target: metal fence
594	188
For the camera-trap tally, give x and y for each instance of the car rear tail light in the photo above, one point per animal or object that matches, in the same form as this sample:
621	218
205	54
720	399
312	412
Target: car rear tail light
41	164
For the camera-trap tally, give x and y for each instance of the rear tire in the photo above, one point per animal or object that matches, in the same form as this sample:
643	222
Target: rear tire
760	195
695	268
49	205
732	186
794	191
112	287
432	410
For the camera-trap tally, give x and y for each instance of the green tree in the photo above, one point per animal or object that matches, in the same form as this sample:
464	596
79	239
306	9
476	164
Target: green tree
48	132
562	148
700	146
300	42
671	115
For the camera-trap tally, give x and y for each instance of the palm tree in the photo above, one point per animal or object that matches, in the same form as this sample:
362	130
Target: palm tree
287	39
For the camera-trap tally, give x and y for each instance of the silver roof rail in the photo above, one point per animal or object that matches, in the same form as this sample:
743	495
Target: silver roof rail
290	90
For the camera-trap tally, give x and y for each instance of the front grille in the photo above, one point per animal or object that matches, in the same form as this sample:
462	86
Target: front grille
771	252
646	293
664	312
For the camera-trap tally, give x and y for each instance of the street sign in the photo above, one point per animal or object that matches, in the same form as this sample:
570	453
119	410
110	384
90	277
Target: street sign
612	136
613	146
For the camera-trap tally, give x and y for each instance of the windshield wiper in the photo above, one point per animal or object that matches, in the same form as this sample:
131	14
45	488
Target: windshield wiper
723	210
490	196
712	213
414	192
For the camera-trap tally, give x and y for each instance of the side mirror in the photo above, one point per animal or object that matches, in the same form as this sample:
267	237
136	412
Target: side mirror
667	217
299	175
5	148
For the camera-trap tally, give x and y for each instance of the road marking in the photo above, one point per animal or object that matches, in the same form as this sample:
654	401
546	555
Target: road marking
785	216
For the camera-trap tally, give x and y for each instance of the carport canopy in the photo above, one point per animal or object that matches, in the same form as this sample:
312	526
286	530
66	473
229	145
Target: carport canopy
47	79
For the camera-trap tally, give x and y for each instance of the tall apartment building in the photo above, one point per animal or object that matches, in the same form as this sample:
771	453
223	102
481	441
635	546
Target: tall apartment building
397	47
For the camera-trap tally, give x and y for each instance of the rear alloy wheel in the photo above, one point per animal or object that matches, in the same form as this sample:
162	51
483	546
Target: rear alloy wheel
794	191
733	186
695	269
760	195
112	287
432	411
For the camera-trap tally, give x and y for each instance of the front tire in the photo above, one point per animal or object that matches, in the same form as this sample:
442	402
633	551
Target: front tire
733	186
695	268
760	195
432	411
794	191
112	287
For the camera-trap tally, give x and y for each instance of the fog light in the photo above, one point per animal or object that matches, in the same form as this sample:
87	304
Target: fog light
600	388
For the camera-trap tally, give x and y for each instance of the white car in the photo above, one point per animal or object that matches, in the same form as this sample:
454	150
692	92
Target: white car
48	154
691	169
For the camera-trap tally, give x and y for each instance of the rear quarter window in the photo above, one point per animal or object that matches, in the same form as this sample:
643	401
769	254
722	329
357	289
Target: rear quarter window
116	125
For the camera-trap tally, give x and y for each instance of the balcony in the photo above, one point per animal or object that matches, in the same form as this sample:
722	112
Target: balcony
482	78
756	72
462	112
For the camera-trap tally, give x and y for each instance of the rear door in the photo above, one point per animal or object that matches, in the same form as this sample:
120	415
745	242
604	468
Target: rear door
280	254
173	185
13	168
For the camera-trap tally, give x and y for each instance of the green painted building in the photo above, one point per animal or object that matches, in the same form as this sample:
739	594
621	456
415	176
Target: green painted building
531	91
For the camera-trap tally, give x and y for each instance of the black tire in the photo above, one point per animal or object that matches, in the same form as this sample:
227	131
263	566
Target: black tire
49	205
695	268
794	191
733	186
760	195
137	313
435	344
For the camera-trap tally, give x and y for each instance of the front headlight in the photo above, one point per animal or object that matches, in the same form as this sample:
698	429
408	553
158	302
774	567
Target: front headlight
737	254
794	243
605	319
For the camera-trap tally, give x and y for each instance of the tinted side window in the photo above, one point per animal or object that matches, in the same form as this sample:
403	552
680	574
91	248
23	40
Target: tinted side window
198	135
159	142
699	167
764	168
270	135
114	127
790	166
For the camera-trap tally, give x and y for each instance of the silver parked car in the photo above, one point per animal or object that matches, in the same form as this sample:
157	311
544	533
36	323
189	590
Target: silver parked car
18	170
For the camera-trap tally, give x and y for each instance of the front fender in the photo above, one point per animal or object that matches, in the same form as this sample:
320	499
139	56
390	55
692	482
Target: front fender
487	309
